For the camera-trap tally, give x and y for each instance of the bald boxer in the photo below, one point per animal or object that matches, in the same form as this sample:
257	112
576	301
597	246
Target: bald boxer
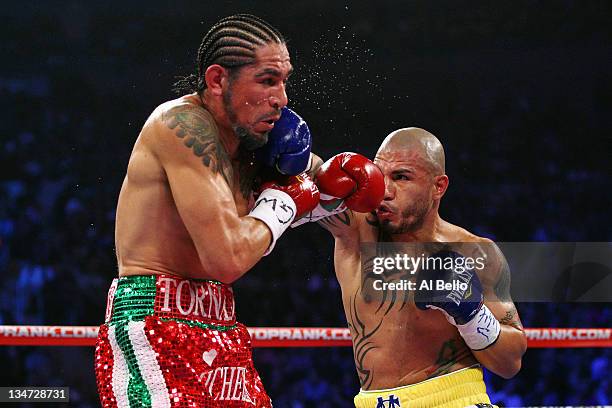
418	348
188	226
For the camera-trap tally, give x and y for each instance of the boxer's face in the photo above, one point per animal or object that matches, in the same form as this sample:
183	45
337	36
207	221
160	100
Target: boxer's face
256	93
409	190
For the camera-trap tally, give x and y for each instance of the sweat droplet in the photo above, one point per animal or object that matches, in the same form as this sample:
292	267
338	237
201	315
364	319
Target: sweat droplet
337	64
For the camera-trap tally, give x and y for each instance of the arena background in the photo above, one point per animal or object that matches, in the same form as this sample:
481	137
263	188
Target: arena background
519	93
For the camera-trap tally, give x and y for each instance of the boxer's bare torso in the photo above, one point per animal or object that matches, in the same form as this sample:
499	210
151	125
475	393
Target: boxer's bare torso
151	236
394	343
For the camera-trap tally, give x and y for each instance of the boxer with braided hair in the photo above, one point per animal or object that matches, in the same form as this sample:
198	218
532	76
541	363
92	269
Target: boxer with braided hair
188	225
229	43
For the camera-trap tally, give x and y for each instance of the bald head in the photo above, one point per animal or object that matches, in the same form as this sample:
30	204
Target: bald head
416	140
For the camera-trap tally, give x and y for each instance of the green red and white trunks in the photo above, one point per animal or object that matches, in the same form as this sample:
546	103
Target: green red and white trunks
172	342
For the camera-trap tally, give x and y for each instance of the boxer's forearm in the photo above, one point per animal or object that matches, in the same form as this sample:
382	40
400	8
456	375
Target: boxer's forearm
504	356
248	245
228	252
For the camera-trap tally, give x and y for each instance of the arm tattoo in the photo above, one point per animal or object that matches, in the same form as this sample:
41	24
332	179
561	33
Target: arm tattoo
511	319
196	128
334	221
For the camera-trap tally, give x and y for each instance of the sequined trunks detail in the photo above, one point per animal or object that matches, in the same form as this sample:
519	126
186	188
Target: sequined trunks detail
170	342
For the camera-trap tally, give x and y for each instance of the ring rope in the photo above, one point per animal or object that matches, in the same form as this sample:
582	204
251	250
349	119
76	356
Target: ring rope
26	335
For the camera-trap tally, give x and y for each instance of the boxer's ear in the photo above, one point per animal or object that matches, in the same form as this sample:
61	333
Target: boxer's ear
440	186
215	77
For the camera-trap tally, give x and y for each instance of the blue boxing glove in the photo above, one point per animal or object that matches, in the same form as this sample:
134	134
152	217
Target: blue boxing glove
449	284
288	146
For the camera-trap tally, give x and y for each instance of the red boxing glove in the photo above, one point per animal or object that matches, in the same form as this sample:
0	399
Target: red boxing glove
302	190
353	178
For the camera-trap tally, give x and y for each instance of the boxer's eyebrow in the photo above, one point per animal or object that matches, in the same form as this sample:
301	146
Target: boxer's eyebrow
268	71
273	72
402	170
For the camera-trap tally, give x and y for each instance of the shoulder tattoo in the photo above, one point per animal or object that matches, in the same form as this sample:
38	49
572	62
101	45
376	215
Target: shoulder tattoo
197	130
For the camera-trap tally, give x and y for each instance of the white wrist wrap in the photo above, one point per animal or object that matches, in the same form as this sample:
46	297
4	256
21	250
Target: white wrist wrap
328	205
482	331
276	209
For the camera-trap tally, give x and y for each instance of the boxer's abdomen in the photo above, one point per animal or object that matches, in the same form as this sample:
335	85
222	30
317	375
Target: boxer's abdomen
405	347
394	343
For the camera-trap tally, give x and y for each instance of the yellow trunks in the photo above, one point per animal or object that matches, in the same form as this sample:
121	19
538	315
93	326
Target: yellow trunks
458	389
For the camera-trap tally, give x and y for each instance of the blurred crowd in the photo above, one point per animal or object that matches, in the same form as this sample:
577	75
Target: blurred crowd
524	154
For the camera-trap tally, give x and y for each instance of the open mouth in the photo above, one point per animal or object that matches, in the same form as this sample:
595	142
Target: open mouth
383	211
264	126
271	119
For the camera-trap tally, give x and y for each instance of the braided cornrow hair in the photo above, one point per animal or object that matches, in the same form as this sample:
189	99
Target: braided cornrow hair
231	43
